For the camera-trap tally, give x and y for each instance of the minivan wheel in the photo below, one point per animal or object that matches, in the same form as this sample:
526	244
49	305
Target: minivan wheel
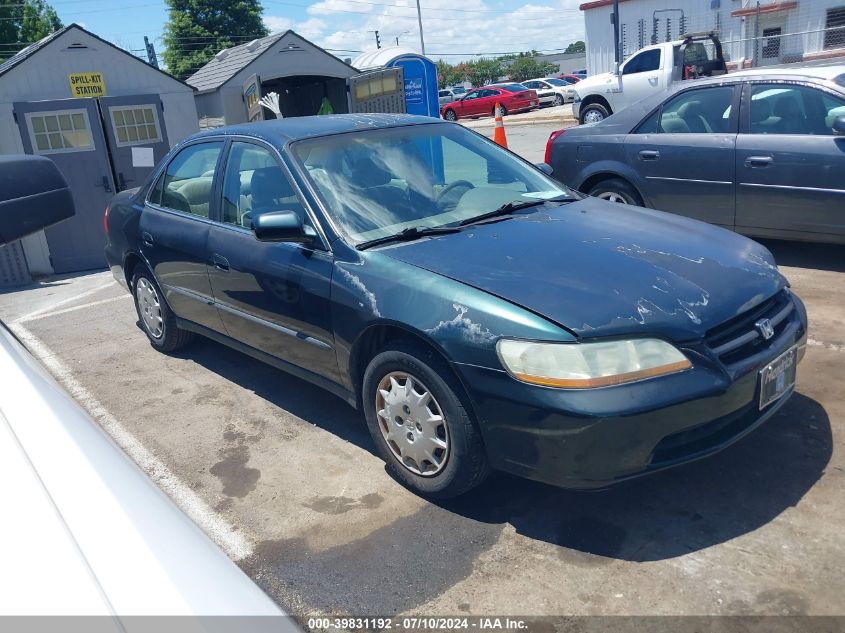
593	113
616	190
155	316
450	115
417	416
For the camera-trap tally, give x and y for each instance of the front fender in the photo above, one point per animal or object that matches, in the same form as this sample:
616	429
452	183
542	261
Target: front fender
613	168
462	322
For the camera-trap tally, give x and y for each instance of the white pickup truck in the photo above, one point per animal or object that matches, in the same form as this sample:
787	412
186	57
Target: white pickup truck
647	72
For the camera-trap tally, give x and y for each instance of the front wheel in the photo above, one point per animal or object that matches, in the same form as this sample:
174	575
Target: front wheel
559	100
417	416
155	316
617	190
450	115
502	108
593	113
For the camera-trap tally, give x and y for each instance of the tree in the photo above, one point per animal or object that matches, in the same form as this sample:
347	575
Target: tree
197	29
576	47
484	71
22	23
524	68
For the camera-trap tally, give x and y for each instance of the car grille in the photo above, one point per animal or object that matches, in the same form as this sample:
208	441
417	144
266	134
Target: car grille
738	338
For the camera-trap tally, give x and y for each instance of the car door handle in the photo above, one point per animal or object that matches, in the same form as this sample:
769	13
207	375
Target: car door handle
220	262
758	161
649	154
652	81
147	239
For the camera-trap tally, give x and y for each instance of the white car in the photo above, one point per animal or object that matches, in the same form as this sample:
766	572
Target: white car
550	90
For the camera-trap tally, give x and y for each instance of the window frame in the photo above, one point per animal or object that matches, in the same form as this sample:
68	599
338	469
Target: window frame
643	54
28	116
216	212
162	173
733	120
749	84
123	108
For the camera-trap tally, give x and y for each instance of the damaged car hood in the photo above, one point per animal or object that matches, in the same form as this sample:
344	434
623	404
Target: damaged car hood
599	268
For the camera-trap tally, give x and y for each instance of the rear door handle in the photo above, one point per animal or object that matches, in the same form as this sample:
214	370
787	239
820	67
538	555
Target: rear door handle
220	262
147	239
758	161
649	154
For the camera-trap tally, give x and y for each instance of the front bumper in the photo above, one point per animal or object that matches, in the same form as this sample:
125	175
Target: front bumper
593	438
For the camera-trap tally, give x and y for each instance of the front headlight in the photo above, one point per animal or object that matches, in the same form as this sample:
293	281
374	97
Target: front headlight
584	365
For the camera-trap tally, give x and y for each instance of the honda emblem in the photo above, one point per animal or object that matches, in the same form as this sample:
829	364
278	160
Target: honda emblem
765	328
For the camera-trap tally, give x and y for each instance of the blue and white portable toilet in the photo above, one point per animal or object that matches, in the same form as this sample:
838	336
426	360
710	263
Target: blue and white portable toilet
419	71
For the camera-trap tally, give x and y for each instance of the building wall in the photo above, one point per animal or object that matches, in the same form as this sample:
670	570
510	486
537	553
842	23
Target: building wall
44	77
802	28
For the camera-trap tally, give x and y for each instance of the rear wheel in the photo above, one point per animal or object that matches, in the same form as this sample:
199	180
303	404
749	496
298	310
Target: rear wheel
617	190
417	417
450	115
593	113
155	316
559	100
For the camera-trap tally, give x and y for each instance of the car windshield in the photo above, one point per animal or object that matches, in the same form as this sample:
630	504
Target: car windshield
556	82
377	183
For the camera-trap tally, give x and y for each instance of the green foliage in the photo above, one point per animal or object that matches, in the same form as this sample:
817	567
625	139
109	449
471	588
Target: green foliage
197	29
525	68
25	22
484	71
576	47
449	75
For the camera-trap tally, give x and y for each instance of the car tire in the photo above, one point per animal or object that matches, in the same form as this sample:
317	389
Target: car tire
559	100
458	461
450	115
504	110
153	310
593	113
617	190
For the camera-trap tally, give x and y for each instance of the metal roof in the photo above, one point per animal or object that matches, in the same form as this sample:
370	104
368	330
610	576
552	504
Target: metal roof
230	61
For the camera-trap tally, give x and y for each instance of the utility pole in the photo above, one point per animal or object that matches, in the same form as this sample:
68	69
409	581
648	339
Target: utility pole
378	39
419	19
615	19
151	52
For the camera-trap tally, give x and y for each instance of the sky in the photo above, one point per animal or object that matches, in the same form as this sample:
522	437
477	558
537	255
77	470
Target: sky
453	33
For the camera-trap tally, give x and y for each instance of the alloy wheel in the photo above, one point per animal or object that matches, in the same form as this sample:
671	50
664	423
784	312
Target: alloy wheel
412	424
612	196
149	307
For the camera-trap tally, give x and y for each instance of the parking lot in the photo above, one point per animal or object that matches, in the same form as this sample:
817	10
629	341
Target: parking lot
284	477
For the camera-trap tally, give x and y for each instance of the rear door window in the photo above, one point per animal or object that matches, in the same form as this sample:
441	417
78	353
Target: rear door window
186	184
700	111
793	109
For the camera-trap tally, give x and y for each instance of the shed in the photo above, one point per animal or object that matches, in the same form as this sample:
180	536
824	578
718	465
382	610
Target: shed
230	85
419	73
104	117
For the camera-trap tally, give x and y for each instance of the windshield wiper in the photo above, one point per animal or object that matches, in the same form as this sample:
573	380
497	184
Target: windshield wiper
409	234
510	207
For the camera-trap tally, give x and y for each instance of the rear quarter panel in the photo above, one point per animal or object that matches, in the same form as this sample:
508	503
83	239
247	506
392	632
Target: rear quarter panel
123	232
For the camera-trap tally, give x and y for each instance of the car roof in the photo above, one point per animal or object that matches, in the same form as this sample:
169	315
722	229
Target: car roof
281	131
818	72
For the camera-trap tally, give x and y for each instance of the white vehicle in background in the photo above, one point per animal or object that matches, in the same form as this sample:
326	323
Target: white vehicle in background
648	72
85	532
554	91
445	96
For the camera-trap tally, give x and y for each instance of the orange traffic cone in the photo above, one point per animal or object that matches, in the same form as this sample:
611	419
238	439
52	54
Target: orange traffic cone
499	133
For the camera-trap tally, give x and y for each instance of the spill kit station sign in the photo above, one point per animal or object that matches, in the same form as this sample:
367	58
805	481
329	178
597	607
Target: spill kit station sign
87	85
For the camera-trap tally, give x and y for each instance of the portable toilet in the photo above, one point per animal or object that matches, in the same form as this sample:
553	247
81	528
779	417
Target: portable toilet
420	76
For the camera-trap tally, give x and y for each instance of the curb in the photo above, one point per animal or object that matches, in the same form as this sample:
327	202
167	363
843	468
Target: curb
568	121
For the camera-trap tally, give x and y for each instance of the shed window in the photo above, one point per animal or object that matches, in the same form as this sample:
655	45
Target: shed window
135	125
834	36
59	131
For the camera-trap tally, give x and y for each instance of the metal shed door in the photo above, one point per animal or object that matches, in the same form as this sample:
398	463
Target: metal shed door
70	134
380	90
136	135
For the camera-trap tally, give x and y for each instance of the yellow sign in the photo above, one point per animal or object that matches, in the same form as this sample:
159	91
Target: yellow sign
87	85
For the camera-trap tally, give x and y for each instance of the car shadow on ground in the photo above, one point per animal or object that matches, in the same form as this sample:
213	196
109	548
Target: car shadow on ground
807	254
673	512
662	516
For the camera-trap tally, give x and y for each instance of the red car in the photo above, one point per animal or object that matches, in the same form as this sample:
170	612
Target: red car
482	101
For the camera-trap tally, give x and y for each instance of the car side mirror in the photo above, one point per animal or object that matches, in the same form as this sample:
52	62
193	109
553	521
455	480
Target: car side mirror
544	167
839	124
282	226
33	196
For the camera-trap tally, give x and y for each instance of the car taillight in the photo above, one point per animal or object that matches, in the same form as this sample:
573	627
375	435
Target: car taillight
106	220
551	140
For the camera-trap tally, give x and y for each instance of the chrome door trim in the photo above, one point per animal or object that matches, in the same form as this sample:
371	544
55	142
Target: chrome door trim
790	187
710	182
273	326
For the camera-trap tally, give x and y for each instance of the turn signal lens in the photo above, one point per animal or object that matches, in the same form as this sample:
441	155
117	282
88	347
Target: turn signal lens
587	365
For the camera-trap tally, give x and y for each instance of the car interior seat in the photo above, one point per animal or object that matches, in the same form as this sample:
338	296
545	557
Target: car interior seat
367	174
175	200
761	114
791	117
270	191
693	115
197	191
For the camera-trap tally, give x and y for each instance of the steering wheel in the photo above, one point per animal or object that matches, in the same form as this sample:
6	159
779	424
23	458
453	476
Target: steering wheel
451	186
